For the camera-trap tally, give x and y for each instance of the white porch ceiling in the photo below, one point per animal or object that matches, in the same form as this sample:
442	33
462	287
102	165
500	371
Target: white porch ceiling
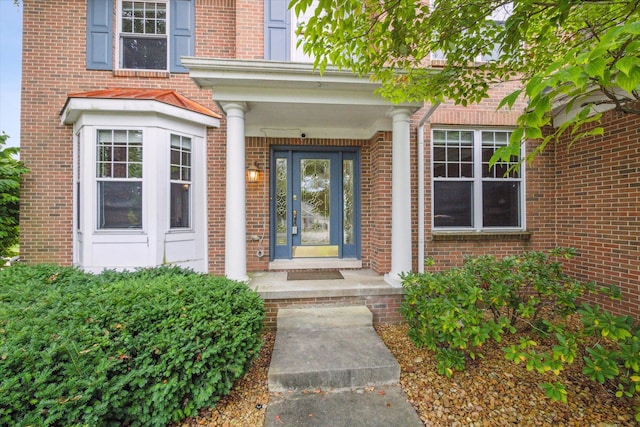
289	99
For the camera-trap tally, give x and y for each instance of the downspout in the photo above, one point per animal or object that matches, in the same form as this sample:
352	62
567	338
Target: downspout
421	168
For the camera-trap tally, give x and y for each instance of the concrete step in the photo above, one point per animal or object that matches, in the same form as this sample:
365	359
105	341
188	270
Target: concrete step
305	319
383	406
329	348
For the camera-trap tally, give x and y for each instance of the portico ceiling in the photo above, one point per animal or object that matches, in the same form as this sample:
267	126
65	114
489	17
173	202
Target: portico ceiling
288	99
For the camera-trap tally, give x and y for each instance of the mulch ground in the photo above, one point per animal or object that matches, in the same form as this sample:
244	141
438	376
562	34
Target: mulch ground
492	391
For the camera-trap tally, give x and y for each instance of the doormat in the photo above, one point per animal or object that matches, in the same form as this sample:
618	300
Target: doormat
314	275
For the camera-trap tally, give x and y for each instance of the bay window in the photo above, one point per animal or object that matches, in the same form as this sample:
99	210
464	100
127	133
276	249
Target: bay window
468	194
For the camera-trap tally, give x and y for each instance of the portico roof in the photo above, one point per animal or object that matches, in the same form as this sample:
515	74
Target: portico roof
287	99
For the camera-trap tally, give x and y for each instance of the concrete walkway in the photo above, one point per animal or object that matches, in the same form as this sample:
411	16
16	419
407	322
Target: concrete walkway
330	368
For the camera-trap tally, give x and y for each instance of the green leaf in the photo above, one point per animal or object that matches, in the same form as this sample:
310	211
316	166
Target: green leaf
627	63
632	27
596	67
510	99
629	82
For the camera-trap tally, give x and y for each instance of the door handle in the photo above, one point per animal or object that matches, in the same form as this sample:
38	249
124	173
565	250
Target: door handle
294	226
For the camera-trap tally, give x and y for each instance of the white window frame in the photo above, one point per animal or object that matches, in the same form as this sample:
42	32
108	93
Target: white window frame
100	179
477	181
120	33
182	181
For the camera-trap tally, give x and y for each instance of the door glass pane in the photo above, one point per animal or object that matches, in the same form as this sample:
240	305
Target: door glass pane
347	201
314	201
281	201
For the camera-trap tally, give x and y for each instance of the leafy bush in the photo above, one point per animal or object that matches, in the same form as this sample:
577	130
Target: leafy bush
527	288
10	171
139	348
454	313
446	315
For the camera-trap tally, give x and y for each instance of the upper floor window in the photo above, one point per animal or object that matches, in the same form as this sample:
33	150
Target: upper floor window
119	179
143	35
149	34
180	182
468	194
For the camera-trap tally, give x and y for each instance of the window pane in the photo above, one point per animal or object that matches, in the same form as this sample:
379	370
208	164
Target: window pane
501	204
466	154
180	205
119	204
439	136
453	204
348	201
120	136
180	159
175	172
453	154
281	201
120	153
135	170
439	154
141	53
439	170
175	156
119	170
453	170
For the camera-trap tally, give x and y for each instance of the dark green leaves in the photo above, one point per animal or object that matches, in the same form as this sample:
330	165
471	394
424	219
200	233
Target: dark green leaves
140	349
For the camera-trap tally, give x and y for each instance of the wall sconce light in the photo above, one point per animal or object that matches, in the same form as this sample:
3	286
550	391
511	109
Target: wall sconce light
253	172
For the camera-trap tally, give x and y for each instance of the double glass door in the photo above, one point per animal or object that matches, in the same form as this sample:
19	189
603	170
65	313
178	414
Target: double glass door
315	208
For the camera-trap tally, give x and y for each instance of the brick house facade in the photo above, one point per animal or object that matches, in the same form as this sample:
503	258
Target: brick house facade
240	97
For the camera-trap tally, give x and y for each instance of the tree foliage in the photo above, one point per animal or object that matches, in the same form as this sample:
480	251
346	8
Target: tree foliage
572	54
10	171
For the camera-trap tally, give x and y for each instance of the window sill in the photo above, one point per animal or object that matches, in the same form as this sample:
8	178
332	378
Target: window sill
456	236
142	73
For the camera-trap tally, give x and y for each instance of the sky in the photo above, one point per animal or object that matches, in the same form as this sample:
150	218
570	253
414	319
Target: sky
10	69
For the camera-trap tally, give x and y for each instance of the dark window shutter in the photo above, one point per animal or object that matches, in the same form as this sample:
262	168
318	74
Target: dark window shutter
277	30
99	34
182	33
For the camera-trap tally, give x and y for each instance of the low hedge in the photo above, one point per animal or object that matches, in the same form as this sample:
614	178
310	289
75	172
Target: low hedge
138	348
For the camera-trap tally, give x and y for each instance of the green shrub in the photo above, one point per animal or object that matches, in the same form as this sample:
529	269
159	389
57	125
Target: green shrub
453	313
529	288
139	348
446	315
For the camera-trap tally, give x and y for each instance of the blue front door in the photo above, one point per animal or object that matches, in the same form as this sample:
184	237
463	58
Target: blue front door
315	210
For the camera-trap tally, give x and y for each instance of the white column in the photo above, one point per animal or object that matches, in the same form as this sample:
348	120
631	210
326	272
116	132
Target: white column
401	196
235	259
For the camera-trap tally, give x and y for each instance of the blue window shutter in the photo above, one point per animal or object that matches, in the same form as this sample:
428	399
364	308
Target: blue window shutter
182	31
277	30
99	35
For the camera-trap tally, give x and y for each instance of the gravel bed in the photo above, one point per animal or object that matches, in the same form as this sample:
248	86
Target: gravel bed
492	391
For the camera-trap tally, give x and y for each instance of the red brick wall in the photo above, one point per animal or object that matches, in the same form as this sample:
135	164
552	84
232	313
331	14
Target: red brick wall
585	197
378	211
385	308
53	65
539	188
598	181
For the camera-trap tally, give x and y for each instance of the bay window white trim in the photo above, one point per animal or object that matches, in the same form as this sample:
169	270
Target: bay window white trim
156	243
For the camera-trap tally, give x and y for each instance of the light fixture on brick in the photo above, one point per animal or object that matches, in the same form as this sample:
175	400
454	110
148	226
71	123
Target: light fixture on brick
253	172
